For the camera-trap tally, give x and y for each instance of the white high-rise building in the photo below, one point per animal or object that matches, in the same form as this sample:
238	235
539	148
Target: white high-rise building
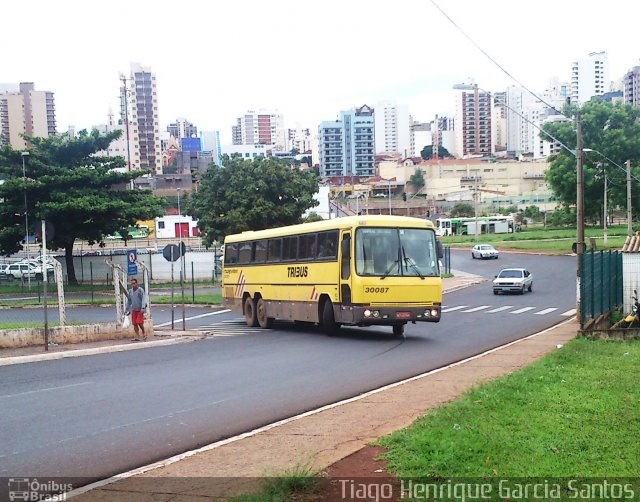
265	127
393	128
589	77
139	106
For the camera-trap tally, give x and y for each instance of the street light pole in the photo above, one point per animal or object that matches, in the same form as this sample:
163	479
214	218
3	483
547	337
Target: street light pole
606	217
389	182
179	213
475	206
24	155
125	91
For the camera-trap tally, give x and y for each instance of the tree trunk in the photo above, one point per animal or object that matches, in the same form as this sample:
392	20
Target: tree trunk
68	257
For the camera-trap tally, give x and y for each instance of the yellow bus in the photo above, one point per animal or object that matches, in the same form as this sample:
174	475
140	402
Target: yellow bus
355	271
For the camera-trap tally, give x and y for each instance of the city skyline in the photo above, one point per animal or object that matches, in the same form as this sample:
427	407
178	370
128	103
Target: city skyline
287	57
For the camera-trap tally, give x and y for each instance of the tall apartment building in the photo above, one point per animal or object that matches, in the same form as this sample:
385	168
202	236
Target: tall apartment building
265	127
631	87
23	110
347	145
393	128
473	123
589	77
139	106
182	128
300	139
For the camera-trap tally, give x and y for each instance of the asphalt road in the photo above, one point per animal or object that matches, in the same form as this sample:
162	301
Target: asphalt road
100	415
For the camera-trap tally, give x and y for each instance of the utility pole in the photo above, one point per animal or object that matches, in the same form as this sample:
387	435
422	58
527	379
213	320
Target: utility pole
579	211
579	191
125	92
606	217
629	224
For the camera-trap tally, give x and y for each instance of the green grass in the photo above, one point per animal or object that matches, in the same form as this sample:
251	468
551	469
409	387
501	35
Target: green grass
34	324
539	238
572	414
200	299
283	488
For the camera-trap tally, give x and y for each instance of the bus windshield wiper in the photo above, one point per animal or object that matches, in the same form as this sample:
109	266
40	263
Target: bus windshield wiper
388	271
411	262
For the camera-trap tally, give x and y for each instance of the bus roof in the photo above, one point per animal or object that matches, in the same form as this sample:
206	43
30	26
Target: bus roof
335	223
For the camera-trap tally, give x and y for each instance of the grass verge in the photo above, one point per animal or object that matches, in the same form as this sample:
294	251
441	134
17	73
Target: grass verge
283	488
572	414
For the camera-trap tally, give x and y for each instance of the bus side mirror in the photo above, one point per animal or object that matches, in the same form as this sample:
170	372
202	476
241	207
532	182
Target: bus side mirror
440	249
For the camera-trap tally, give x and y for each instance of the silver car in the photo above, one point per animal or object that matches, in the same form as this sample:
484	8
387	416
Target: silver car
483	251
513	280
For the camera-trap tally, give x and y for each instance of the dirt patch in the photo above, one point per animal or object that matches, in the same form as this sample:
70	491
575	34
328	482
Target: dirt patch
359	476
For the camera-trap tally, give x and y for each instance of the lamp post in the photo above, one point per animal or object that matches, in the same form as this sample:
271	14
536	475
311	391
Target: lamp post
389	182
178	190
24	155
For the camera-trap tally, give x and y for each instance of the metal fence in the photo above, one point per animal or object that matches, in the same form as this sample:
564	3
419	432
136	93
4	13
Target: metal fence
601	282
446	260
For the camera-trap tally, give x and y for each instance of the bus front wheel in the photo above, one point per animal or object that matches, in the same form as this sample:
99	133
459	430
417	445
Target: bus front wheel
250	312
261	315
329	325
398	329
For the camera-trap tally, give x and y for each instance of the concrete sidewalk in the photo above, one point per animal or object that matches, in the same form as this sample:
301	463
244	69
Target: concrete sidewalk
319	438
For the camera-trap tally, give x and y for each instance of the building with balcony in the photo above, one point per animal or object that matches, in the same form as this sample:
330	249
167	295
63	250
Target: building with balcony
139	107
589	77
347	145
473	124
393	128
632	87
265	127
23	110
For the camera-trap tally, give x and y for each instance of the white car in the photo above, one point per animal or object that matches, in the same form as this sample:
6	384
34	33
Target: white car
484	251
513	280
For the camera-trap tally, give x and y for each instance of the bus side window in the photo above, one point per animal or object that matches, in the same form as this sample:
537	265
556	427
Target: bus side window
345	267
327	244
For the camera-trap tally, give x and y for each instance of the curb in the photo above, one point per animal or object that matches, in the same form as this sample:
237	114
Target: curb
8	361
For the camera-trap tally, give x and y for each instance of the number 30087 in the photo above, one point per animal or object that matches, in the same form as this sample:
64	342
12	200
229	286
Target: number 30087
376	290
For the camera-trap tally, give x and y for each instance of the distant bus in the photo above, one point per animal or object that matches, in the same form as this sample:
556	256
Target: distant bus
137	232
356	271
467	226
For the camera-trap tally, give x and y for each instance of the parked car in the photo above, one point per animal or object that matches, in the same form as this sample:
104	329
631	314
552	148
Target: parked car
24	270
513	280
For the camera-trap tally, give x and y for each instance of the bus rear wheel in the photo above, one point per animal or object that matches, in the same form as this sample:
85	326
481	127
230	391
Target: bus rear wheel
250	312
261	315
329	325
398	329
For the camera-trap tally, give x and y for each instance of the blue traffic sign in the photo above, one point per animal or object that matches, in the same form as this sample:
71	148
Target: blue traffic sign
132	258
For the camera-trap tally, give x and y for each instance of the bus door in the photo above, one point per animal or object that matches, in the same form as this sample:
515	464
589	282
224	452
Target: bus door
346	311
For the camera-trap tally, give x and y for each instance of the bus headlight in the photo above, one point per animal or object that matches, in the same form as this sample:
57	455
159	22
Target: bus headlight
376	313
434	313
367	313
427	313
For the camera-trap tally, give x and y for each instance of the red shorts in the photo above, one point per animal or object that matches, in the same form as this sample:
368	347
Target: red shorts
137	317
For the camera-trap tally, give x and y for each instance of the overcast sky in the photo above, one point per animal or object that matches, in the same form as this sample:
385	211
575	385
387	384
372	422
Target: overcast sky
215	59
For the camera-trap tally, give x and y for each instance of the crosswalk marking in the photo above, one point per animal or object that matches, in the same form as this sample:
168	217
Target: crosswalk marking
499	309
475	309
569	313
451	309
229	327
546	311
520	311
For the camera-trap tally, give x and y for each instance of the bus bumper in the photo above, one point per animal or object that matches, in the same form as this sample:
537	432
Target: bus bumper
368	316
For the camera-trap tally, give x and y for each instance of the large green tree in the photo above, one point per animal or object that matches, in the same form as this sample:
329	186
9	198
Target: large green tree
427	152
67	183
612	131
417	179
251	195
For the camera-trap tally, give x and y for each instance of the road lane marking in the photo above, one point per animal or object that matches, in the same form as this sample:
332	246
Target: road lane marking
451	309
520	311
475	309
499	309
181	456
45	389
569	312
193	317
546	311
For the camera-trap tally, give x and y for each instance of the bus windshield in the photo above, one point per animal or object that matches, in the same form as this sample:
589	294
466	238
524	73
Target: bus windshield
393	252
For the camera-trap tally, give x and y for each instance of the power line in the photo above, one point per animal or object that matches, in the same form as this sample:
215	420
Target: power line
504	70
